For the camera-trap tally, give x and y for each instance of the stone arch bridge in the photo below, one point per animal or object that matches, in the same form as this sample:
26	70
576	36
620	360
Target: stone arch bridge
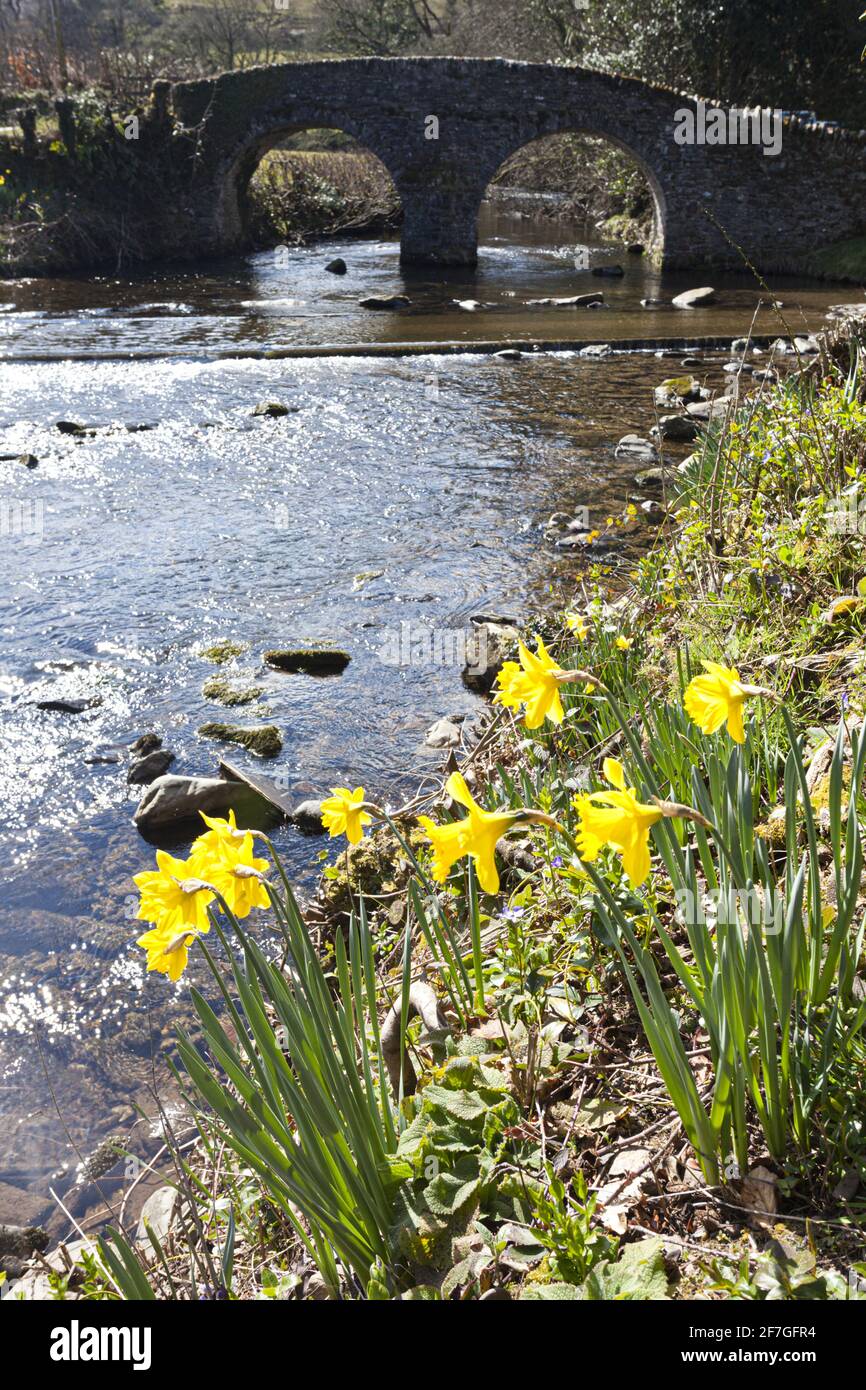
443	126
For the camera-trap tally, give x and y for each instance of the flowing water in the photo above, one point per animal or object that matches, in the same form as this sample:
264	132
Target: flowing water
400	495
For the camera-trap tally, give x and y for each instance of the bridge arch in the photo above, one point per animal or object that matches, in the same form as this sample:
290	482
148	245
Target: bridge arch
235	212
240	186
658	202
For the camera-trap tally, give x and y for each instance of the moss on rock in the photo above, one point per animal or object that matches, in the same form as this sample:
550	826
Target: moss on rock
310	661
265	740
224	651
219	689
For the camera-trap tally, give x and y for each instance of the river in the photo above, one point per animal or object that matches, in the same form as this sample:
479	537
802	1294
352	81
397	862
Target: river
399	490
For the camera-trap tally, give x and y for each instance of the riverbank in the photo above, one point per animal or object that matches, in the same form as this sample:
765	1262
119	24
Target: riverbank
580	1118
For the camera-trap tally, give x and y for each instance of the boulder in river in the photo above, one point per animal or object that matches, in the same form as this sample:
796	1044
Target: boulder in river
571	301
147	743
635	446
391	301
70	427
611	272
709	410
274	409
265	740
597	350
652	477
694	299
151	766
307	816
309	661
509	354
445	733
26	460
677	428
171	799
337	266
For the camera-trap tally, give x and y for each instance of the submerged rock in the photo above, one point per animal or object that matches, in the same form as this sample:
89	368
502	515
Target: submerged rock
151	766
220	690
68	706
265	740
391	301
337	266
509	354
310	661
613	272
171	798
223	651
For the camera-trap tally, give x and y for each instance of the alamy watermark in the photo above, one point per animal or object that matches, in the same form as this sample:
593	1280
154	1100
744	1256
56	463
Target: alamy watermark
713	125
749	907
846	515
22	518
414	644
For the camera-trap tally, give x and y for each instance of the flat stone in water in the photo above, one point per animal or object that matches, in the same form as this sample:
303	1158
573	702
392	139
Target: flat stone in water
68	706
310	661
265	739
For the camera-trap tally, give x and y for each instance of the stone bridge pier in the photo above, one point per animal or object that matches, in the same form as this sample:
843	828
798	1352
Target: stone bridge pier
443	127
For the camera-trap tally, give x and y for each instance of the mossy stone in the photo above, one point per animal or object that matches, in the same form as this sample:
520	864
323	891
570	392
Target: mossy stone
224	693
310	661
223	651
265	740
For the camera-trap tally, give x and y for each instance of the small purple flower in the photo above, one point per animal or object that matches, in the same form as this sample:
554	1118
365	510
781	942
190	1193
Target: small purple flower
557	861
513	914
844	699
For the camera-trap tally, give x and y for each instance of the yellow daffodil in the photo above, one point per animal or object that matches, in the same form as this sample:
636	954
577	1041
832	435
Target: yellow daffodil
623	642
576	623
167	951
534	683
219	833
342	814
718	696
621	821
475	835
237	875
173	896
